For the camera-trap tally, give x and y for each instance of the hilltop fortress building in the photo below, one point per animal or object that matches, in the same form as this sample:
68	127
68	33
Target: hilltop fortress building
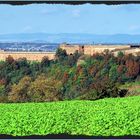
92	49
70	49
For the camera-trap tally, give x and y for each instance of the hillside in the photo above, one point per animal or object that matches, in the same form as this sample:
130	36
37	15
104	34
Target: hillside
106	117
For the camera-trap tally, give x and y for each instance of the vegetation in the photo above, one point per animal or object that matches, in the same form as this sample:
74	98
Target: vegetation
71	77
132	87
68	77
106	117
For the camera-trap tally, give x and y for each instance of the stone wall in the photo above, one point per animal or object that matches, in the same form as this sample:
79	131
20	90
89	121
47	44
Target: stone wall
134	51
32	56
92	49
70	49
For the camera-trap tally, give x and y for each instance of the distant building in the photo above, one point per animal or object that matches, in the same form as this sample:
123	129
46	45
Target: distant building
71	48
92	49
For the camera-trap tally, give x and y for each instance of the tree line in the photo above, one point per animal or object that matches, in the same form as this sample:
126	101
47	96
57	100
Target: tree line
68	77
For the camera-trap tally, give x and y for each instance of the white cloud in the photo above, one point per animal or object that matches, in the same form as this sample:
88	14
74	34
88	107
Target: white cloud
27	29
76	13
48	11
134	27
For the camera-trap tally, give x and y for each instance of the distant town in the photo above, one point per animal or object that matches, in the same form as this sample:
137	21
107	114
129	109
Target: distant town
43	47
28	46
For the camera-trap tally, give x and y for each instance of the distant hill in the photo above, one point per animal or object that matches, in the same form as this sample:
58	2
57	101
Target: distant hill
71	38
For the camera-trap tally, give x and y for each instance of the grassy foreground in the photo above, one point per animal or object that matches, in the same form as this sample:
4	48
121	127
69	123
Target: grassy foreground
106	117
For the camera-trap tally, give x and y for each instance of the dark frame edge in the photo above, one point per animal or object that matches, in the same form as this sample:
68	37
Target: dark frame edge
77	2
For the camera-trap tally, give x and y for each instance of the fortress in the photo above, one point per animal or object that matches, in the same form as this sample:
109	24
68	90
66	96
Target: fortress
70	49
92	49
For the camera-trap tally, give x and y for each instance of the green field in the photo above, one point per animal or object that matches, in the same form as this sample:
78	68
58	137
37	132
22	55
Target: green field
106	117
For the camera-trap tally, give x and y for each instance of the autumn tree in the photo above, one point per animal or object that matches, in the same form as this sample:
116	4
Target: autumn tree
19	91
44	89
65	77
132	68
10	59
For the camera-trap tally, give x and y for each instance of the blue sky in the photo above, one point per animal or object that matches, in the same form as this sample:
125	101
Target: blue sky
60	18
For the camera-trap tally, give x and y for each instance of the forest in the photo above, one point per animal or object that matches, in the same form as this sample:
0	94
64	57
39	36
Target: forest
68	77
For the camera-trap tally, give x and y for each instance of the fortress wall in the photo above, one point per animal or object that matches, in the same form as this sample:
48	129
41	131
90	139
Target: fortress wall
112	46
100	50
2	55
87	49
92	49
32	56
133	51
70	49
